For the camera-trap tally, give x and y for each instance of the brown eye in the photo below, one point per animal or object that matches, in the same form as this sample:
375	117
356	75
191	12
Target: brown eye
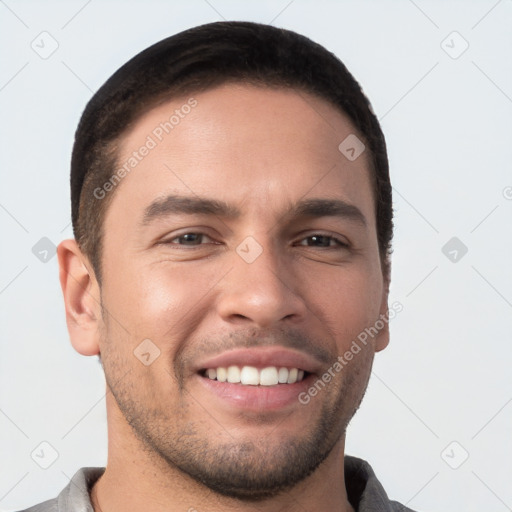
322	241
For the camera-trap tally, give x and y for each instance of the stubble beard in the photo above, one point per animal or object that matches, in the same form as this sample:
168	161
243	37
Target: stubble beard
248	470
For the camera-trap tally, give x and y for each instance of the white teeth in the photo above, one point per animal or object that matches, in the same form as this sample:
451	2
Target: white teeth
292	375
268	376
251	376
282	376
234	374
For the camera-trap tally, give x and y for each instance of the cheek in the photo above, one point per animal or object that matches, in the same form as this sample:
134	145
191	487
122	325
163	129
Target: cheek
159	300
346	301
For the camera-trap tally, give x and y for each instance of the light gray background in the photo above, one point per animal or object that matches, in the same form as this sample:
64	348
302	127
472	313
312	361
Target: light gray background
445	376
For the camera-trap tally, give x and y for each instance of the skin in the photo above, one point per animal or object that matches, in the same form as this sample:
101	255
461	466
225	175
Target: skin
260	150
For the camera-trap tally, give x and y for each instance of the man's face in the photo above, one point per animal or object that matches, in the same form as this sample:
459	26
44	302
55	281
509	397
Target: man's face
253	262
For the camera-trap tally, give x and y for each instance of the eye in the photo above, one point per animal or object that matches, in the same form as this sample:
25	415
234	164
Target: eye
190	239
319	240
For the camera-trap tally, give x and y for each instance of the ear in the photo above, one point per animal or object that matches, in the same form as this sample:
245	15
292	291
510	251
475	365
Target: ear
81	297
382	339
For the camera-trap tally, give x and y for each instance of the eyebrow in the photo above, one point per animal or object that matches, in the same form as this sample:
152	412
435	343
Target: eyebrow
328	208
189	205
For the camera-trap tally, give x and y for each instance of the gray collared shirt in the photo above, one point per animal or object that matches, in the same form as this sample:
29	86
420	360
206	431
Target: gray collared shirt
365	492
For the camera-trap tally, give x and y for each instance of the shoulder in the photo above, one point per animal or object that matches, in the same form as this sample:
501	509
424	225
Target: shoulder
75	496
364	490
398	507
46	506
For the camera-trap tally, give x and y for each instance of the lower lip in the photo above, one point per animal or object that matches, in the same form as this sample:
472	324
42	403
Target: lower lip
256	398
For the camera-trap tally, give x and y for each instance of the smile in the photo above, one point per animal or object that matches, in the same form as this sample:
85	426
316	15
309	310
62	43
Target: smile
252	376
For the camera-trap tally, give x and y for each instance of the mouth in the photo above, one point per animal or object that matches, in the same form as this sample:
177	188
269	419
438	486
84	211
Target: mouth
257	379
253	376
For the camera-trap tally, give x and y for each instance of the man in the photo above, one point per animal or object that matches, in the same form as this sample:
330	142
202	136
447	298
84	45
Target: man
232	214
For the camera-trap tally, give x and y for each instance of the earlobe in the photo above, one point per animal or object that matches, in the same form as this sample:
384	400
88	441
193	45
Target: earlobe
81	298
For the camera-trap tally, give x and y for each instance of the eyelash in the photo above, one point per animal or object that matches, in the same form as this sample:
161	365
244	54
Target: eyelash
340	243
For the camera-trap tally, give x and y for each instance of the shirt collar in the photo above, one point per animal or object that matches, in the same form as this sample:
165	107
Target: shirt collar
364	491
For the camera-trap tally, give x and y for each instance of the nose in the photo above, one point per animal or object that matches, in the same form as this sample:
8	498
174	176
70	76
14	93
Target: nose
261	293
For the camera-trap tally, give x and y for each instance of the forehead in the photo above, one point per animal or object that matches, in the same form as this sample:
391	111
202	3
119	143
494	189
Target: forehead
253	146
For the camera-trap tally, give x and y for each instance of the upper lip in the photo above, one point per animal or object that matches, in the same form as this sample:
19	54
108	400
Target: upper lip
263	357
